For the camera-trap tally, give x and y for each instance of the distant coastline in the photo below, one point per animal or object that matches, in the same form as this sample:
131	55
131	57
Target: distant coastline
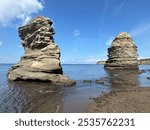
101	62
140	61
144	61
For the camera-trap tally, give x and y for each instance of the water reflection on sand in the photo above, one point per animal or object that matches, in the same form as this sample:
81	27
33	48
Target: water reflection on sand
43	97
31	97
123	79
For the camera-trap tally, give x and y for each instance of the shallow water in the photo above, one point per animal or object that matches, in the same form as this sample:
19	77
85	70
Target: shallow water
43	97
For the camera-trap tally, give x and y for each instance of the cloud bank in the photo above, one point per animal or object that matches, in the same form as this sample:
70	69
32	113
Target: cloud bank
11	10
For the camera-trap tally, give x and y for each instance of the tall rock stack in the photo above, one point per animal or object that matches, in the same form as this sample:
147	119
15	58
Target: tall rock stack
41	61
123	53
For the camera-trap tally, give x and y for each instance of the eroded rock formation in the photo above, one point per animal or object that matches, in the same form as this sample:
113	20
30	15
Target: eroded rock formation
144	61
123	53
41	61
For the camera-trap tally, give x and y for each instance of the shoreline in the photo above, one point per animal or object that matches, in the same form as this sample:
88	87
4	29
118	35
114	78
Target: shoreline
122	101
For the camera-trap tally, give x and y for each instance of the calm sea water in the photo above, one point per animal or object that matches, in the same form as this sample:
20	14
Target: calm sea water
43	97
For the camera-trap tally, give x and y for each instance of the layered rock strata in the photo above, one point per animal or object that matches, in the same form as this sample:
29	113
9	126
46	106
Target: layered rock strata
123	53
144	61
41	61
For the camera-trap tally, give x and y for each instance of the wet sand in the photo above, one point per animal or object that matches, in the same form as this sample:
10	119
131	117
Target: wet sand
122	101
127	96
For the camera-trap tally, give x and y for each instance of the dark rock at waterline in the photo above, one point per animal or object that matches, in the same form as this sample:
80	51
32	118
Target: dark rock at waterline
148	78
99	81
41	61
142	71
87	81
123	53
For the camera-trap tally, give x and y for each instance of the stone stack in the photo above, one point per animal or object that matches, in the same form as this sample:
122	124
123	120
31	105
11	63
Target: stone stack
144	61
41	61
123	53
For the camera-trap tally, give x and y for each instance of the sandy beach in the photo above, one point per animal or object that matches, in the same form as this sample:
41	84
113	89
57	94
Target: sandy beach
123	101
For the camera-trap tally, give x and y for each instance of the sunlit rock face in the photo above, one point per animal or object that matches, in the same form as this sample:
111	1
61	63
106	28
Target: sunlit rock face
41	61
123	53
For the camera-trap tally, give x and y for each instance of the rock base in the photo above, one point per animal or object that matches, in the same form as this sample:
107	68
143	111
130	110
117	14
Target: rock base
20	74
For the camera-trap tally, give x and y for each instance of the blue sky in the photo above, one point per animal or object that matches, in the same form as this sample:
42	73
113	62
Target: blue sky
84	28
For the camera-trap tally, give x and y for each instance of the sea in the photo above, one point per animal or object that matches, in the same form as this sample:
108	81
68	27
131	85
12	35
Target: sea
36	97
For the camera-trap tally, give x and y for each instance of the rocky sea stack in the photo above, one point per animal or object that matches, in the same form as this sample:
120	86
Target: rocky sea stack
123	53
41	61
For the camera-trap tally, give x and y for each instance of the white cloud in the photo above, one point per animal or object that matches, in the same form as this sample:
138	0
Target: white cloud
76	32
11	10
140	29
26	20
109	41
0	43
